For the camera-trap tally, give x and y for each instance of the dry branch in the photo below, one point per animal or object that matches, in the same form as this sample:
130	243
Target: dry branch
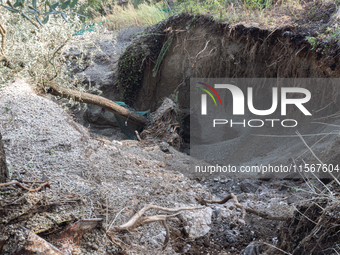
245	208
46	184
136	220
3	33
83	97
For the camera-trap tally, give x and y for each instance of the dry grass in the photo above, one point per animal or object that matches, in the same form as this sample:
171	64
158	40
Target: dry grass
119	17
264	13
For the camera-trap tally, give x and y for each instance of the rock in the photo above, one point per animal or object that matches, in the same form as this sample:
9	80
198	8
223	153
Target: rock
241	197
198	222
241	221
250	250
248	186
164	146
160	237
218	216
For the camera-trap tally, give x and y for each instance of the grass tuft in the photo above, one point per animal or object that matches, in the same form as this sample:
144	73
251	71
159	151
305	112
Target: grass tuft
125	16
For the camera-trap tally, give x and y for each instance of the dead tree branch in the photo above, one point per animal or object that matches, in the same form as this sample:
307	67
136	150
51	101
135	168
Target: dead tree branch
245	208
3	33
46	184
137	219
83	97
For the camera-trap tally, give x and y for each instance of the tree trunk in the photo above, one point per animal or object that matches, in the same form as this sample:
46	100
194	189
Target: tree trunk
3	166
88	98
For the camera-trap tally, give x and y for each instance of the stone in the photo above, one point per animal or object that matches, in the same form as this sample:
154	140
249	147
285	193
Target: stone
164	146
198	222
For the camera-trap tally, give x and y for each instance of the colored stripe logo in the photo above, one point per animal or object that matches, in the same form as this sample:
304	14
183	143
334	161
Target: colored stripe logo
209	93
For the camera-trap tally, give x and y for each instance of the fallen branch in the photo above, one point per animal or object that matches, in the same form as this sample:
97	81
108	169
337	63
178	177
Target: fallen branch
136	220
46	184
3	33
83	97
245	208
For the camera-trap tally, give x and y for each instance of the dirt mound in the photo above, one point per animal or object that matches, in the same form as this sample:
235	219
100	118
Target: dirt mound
91	177
185	46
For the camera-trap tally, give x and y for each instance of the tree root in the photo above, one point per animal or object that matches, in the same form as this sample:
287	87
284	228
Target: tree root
3	33
244	208
138	220
46	184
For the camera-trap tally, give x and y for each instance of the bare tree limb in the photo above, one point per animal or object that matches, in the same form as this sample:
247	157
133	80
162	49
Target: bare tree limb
47	184
3	33
83	97
136	220
245	208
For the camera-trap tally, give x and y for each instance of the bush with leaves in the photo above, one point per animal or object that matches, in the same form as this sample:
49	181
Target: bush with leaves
37	43
41	11
43	53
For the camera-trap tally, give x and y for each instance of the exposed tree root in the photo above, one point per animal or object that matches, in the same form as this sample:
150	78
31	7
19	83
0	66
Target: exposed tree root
46	184
3	33
245	208
138	220
164	124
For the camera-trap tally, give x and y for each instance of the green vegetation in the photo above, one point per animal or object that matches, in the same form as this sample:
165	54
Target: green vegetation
144	13
323	40
118	17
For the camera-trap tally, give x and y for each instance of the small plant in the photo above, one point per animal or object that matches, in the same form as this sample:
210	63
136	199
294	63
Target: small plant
312	41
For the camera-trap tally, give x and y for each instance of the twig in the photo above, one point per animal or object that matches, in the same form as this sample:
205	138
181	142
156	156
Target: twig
245	208
206	45
3	33
303	140
111	239
28	182
138	137
167	237
115	219
47	184
137	221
